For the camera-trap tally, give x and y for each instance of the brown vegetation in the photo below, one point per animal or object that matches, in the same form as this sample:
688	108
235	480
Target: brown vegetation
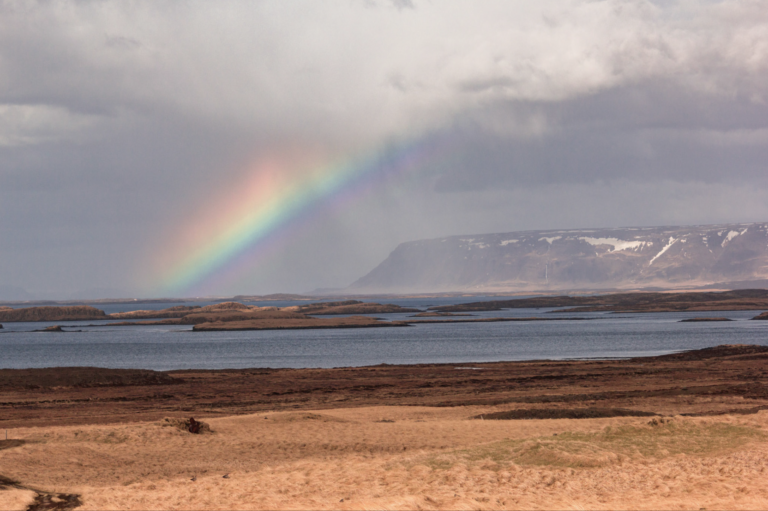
745	299
726	379
50	380
348	307
65	313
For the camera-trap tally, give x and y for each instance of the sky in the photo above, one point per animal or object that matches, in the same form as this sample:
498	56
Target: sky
154	149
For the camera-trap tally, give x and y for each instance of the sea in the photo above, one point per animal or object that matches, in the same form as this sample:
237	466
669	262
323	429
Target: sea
581	336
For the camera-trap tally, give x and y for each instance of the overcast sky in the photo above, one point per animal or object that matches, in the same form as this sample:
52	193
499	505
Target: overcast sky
119	121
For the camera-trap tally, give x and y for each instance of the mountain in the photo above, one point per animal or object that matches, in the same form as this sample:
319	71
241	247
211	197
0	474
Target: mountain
728	255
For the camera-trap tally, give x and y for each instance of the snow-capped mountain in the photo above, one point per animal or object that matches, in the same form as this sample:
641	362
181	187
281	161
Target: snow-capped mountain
625	258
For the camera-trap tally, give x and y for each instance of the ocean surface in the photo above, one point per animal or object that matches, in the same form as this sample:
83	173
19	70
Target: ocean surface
598	335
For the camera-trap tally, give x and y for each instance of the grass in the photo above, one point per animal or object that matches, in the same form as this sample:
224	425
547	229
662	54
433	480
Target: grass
609	446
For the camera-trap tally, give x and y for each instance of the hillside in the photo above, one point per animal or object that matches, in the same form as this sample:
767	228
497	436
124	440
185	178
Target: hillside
727	256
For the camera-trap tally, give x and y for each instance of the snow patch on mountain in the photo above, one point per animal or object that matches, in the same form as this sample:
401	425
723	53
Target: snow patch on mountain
729	237
617	244
666	247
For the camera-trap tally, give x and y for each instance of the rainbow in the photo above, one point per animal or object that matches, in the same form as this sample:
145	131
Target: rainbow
224	239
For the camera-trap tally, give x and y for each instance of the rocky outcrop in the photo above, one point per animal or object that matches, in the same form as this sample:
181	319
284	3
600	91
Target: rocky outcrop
64	313
763	316
725	256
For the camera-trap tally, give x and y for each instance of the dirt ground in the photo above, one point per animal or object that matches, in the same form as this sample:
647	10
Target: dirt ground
394	437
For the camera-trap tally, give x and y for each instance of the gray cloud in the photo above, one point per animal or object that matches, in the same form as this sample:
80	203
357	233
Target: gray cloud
642	132
117	121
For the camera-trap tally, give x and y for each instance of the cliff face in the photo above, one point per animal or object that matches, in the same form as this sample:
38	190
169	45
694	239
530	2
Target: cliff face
628	258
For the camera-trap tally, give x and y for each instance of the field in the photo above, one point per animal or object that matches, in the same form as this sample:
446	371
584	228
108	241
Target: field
654	440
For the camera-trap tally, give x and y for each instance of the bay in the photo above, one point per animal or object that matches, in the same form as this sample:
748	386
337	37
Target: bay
598	335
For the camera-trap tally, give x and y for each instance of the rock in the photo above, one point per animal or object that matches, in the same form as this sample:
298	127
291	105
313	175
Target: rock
764	315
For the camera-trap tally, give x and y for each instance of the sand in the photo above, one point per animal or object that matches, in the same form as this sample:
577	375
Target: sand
400	458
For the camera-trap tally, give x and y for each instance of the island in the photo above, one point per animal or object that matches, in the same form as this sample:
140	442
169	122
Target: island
742	299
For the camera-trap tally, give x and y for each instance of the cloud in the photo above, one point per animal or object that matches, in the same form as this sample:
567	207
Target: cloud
640	132
117	120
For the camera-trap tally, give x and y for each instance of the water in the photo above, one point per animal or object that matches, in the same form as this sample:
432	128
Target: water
605	335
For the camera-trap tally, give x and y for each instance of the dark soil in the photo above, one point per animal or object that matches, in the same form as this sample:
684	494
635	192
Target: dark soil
723	379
